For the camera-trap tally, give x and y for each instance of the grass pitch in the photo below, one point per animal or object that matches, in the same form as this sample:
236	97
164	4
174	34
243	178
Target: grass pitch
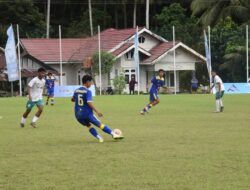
179	145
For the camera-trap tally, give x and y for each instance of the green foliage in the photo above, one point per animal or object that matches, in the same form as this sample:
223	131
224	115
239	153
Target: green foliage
228	54
107	61
26	14
185	27
211	12
81	27
119	83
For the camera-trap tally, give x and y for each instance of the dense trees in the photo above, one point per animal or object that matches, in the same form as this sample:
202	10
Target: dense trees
226	17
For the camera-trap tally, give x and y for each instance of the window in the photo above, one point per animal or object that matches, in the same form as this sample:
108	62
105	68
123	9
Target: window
141	39
129	74
130	55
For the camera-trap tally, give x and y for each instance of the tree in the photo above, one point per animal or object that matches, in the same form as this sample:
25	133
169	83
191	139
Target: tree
107	61
119	83
80	27
24	13
211	12
228	51
185	27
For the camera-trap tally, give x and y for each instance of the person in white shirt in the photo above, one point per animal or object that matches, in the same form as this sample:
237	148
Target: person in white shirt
35	94
219	87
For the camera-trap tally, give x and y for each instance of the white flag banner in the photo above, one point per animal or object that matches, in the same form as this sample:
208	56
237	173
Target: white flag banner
136	58
10	56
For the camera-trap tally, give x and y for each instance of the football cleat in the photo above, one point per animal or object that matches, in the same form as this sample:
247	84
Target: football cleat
117	137
33	124
221	109
22	125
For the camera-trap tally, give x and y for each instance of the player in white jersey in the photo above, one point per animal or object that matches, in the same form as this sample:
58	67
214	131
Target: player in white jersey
219	87
35	93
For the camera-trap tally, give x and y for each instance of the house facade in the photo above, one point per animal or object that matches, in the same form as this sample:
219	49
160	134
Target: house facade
155	53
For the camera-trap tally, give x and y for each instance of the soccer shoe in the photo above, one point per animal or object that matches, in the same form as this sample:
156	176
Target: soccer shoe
216	112
221	109
101	140
33	124
117	137
22	125
47	103
142	112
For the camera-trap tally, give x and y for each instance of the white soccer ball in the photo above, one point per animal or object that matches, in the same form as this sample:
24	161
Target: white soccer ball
118	132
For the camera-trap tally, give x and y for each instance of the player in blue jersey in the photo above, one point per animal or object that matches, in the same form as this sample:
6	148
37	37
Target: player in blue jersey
84	110
157	83
50	84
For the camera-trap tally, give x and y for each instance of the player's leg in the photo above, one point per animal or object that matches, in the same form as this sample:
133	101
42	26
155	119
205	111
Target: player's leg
93	119
39	105
217	102
47	101
154	100
221	102
29	106
52	102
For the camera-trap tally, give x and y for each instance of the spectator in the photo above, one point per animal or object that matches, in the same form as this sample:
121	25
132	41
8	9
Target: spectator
132	86
194	84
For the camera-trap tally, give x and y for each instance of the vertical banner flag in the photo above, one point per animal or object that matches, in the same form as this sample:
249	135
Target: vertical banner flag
10	56
136	58
208	56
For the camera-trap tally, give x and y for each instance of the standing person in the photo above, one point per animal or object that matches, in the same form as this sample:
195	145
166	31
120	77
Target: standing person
194	84
132	85
84	108
50	85
219	87
35	93
157	82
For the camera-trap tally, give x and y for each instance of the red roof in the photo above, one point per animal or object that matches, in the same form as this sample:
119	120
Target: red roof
158	51
75	49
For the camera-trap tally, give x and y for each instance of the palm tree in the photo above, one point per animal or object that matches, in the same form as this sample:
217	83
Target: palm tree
210	12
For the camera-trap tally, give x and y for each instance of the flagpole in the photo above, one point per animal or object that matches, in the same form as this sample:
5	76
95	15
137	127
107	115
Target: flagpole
19	62
174	61
100	61
60	49
247	54
138	64
210	59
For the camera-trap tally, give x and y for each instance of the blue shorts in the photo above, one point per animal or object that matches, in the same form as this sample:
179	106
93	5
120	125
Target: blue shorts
30	104
153	96
86	121
50	92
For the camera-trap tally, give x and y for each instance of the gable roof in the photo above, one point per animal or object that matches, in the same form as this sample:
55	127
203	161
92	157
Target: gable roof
76	49
163	49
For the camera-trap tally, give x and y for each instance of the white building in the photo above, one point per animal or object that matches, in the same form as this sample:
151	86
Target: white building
155	53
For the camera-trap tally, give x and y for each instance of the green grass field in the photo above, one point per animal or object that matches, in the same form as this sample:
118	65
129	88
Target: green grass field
179	145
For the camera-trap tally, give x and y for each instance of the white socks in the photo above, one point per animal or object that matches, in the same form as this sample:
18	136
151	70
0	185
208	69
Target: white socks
221	103
35	118
218	105
23	120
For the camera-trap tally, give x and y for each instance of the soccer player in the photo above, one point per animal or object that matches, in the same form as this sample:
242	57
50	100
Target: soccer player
50	84
35	94
84	109
219	87
157	82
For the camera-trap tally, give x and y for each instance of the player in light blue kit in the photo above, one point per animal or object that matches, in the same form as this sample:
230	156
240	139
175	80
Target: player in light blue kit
50	85
157	83
84	109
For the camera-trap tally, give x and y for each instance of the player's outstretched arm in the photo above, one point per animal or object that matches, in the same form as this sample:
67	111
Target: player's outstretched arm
91	105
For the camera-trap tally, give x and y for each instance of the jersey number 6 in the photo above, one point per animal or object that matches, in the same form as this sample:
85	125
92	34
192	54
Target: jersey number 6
80	100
